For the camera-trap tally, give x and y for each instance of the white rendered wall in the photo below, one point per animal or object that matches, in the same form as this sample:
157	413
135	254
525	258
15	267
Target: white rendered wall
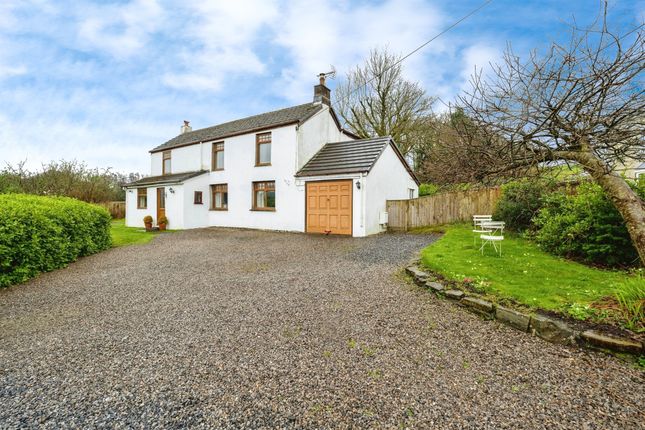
184	159
134	216
240	172
196	215
388	180
314	133
155	164
174	207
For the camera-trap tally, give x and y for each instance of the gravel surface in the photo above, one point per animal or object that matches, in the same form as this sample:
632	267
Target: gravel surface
221	328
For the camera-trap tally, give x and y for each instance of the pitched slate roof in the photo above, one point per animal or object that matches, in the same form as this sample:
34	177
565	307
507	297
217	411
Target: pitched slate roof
173	178
292	115
352	156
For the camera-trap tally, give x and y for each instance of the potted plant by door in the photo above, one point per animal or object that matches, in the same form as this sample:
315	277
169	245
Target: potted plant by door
163	222
147	220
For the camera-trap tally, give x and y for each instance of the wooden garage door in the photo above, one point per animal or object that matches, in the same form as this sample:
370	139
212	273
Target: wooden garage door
329	207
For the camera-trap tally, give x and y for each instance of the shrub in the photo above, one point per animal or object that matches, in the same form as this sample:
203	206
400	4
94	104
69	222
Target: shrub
39	234
428	189
585	226
520	202
147	219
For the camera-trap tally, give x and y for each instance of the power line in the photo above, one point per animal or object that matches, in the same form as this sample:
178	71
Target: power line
433	38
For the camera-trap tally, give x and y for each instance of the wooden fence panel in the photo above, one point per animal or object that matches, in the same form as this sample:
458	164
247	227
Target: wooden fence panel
443	208
116	209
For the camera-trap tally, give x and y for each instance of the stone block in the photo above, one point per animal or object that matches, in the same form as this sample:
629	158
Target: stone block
455	294
419	275
513	318
435	286
604	341
551	329
480	306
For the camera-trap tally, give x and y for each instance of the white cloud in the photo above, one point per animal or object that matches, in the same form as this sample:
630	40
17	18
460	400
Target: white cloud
92	125
120	30
10	71
342	35
221	36
99	144
8	23
478	59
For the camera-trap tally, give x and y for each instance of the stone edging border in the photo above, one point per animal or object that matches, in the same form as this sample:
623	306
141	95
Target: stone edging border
548	328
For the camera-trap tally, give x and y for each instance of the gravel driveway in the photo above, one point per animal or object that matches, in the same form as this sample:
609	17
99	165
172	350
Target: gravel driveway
221	328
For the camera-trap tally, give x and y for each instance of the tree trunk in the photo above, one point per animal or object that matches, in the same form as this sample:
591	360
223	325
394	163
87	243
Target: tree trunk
630	206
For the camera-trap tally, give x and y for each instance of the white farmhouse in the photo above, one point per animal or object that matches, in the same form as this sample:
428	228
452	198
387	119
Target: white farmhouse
293	169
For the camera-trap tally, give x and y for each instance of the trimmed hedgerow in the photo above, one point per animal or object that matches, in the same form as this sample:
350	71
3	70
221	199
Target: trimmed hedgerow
39	234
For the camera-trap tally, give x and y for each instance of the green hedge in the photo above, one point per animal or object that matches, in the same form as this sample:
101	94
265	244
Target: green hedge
39	234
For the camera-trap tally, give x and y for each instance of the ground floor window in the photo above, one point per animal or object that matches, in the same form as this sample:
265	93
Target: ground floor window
142	198
219	197
198	198
264	196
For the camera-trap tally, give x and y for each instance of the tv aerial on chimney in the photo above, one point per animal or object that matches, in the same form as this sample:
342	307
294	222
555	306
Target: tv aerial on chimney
323	76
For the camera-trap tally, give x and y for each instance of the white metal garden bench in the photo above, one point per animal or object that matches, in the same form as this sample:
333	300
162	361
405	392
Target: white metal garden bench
494	235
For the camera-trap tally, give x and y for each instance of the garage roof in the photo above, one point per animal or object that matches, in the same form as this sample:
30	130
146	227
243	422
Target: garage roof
174	178
352	156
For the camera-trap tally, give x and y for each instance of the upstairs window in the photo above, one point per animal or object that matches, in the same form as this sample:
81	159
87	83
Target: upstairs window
165	167
264	196
263	149
142	198
218	156
219	197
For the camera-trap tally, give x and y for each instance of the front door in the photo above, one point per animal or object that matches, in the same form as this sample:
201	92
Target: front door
329	207
161	203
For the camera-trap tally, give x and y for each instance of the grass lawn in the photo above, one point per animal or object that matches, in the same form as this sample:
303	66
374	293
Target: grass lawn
525	273
122	235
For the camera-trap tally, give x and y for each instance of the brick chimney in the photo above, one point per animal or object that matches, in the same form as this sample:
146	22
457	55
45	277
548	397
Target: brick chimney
186	127
321	92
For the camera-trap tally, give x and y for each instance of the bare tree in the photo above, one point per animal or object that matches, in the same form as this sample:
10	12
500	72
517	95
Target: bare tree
376	100
581	103
446	159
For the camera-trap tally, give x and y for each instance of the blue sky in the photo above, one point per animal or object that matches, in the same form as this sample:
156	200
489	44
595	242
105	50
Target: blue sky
105	81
